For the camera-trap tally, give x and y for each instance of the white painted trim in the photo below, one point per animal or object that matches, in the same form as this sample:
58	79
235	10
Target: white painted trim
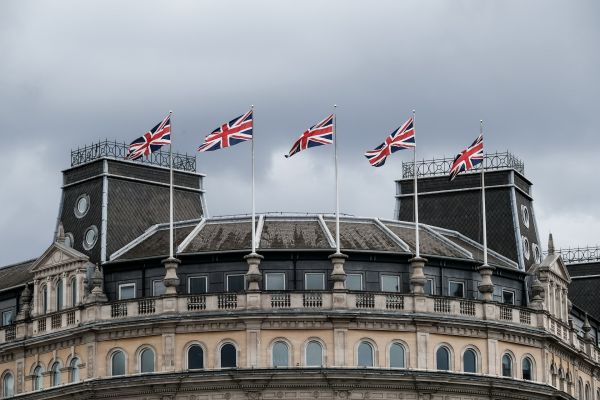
326	231
185	243
391	235
259	228
449	242
149	232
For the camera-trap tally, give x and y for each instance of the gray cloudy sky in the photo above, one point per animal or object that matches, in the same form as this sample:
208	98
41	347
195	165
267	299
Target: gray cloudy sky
73	72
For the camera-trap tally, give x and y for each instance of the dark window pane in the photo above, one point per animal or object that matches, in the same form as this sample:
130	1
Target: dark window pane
429	287
38	380
390	283
73	292
158	288
506	365
147	360
74	370
280	354
470	361
126	292
457	289
442	357
195	357
527	369
235	283
8	385
228	356
314	354
197	285
396	356
314	281
275	281
118	363
55	374
508	297
59	295
365	355
354	282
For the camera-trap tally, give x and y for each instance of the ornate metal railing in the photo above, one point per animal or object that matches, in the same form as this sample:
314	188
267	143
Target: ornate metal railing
441	166
118	150
579	254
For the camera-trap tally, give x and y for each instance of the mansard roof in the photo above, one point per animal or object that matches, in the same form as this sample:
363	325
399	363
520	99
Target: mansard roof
16	275
312	232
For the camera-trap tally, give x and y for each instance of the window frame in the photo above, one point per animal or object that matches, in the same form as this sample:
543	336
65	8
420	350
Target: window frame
141	363
512	363
12	316
362	286
187	356
11	391
154	287
306	274
72	284
75	360
514	296
432	280
111	360
449	352
371	346
321	346
476	355
189	284
227	283
267	274
55	374
381	278
404	354
235	348
461	283
122	285
38	379
287	346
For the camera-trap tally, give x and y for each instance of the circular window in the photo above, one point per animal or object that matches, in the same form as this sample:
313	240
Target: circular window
526	250
537	254
82	205
90	237
525	215
69	240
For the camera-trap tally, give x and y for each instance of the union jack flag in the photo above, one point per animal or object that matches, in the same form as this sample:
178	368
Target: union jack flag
402	138
468	158
316	135
235	131
151	141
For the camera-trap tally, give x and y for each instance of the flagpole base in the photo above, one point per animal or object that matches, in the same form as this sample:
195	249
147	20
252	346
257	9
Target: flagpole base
417	277
486	288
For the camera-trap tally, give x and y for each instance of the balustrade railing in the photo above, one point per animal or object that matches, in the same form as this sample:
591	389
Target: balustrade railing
280	300
365	300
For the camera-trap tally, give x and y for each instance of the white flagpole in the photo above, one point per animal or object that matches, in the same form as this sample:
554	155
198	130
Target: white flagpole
253	201
417	247
337	192
485	252
171	187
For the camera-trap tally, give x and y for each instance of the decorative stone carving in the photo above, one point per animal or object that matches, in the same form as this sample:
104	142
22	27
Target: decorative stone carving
253	276
538	292
338	275
417	277
97	294
24	304
171	280
486	288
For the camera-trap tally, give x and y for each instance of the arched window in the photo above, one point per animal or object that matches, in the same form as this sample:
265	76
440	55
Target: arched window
8	385
397	356
507	366
314	354
442	358
580	389
74	365
527	369
73	291
470	361
38	380
365	354
228	356
55	374
117	363
44	299
59	294
587	391
147	360
195	357
280	354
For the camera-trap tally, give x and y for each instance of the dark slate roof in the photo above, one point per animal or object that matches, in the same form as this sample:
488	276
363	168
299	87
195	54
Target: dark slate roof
307	232
15	274
591	268
285	234
584	294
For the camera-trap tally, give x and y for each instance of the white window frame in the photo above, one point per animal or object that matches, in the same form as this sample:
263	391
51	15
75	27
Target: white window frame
274	273
509	291
362	287
314	273
153	291
459	283
12	316
391	276
121	285
432	280
189	283
227	281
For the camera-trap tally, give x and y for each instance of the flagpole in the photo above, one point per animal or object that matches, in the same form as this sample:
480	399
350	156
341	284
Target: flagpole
485	252
417	247
253	200
337	192
171	187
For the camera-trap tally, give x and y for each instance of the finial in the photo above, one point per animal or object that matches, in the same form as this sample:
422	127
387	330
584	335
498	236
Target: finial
550	244
60	233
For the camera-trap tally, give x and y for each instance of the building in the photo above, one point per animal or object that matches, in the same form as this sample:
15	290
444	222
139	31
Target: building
103	313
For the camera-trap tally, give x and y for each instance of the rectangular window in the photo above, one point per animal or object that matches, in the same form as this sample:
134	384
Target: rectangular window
314	281
390	283
197	285
456	289
236	283
7	317
127	291
275	281
429	287
354	282
508	297
158	287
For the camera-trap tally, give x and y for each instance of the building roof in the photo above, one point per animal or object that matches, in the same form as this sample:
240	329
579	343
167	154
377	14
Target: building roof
16	275
583	289
306	232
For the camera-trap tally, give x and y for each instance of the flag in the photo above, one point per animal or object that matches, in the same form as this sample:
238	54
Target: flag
316	135
151	141
468	158
402	138
235	131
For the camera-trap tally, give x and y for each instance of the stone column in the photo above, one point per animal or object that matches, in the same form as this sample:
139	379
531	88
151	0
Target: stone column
36	298
486	288
253	277
338	276
171	280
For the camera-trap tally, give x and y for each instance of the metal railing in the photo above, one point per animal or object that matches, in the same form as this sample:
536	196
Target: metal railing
572	255
441	166
117	150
